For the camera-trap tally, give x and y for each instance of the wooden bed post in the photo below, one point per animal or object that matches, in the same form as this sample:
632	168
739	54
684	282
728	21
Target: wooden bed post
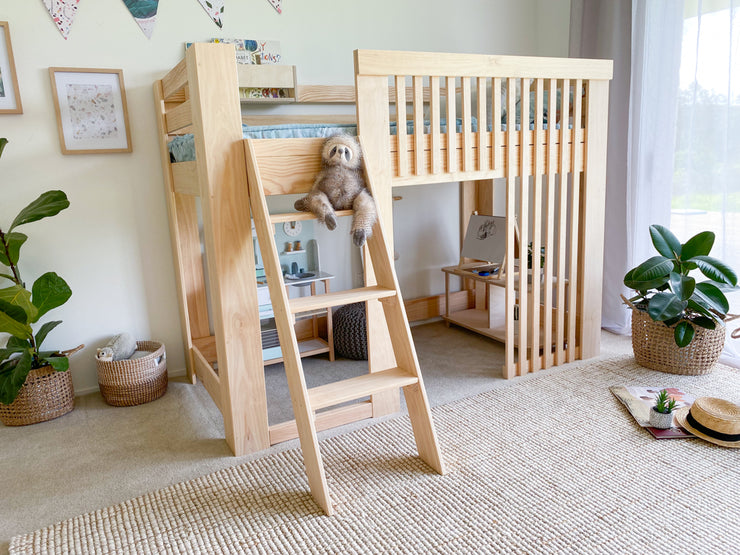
228	238
591	259
372	115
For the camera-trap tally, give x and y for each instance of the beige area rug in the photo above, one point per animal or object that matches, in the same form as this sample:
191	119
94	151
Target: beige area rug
550	463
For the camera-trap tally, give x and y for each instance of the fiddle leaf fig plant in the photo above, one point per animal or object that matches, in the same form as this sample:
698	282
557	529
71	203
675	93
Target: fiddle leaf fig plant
667	292
20	308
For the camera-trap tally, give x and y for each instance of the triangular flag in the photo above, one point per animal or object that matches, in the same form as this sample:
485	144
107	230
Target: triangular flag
214	8
63	13
145	14
276	4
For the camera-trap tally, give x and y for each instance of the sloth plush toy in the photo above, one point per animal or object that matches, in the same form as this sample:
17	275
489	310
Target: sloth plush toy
340	185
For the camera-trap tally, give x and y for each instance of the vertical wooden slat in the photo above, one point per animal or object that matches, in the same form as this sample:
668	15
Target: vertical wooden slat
573	284
509	367
496	124
483	157
451	126
419	124
467	122
524	169
435	123
537	225
403	155
551	163
228	236
562	219
592	216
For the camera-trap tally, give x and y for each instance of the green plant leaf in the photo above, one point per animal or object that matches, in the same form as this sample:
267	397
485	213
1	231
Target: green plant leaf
48	204
682	286
13	374
696	307
18	296
704	322
14	242
60	364
711	298
653	271
3	142
8	276
13	320
715	269
665	242
49	291
44	331
683	333
18	343
664	306
699	245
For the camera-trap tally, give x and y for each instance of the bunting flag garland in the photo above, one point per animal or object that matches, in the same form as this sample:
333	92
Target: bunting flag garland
63	13
277	5
145	14
214	8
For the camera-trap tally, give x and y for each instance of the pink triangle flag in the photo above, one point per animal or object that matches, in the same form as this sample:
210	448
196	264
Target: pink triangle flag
145	14
215	9
63	13
277	5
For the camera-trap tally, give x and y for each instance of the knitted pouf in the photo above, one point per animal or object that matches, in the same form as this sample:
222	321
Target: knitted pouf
350	331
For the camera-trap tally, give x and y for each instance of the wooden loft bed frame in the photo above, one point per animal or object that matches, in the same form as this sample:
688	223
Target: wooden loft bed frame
200	95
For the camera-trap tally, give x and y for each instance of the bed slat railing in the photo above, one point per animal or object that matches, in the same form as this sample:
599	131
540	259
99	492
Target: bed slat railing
533	122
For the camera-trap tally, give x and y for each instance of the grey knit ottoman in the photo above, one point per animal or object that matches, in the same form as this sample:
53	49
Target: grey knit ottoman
350	331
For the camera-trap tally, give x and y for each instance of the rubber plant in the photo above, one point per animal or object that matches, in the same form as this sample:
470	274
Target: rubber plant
667	292
20	308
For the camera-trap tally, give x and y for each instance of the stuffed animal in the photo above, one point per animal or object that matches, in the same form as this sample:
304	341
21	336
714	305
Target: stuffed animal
120	347
340	185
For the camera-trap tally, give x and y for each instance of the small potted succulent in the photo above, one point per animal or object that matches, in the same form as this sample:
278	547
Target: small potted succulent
661	414
677	322
31	380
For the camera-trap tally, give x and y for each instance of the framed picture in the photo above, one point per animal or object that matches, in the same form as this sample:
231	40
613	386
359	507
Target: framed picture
90	104
10	96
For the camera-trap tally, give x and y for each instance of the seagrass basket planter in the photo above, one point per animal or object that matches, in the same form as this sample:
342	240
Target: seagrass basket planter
655	347
125	383
45	395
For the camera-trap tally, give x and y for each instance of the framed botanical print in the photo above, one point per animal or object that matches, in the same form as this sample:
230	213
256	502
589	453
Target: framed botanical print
10	96
90	104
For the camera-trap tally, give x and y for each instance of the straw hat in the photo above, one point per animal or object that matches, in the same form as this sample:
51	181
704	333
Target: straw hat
713	420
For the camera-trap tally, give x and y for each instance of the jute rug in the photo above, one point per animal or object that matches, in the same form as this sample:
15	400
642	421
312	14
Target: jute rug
546	464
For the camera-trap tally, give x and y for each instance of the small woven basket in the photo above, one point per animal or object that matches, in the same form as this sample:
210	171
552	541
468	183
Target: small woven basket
125	383
655	347
46	394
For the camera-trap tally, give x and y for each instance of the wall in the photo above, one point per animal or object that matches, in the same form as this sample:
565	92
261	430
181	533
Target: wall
112	245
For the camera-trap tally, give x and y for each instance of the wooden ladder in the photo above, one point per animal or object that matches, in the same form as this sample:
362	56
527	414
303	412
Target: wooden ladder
306	401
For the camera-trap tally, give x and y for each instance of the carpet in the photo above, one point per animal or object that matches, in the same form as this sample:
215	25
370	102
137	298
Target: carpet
548	463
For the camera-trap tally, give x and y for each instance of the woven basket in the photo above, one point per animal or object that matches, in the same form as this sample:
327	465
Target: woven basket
46	394
125	383
655	347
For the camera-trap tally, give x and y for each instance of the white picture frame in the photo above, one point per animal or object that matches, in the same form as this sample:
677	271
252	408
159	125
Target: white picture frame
91	110
10	96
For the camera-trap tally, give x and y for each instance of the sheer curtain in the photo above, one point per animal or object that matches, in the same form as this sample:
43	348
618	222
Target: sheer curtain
674	118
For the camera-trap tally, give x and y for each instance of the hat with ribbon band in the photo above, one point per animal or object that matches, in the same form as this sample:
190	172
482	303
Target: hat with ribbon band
713	420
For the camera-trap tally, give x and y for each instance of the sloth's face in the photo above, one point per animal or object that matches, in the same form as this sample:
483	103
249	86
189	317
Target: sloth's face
342	151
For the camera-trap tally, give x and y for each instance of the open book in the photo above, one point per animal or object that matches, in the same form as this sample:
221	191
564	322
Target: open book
639	400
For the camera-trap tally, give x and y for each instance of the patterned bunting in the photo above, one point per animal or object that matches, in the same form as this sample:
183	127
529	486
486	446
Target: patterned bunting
214	8
276	4
63	13
145	14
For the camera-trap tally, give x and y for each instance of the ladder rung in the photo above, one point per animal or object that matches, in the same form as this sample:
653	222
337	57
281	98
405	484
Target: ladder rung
315	302
295	216
361	386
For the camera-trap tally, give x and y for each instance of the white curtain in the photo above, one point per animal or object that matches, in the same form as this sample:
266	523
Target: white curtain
656	152
706	179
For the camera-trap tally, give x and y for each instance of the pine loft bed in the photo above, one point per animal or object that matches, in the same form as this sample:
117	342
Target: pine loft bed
406	103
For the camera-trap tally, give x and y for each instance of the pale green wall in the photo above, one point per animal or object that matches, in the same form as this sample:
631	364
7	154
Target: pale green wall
112	245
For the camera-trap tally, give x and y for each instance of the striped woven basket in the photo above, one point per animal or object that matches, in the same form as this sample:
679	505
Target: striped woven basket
655	347
125	383
46	394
